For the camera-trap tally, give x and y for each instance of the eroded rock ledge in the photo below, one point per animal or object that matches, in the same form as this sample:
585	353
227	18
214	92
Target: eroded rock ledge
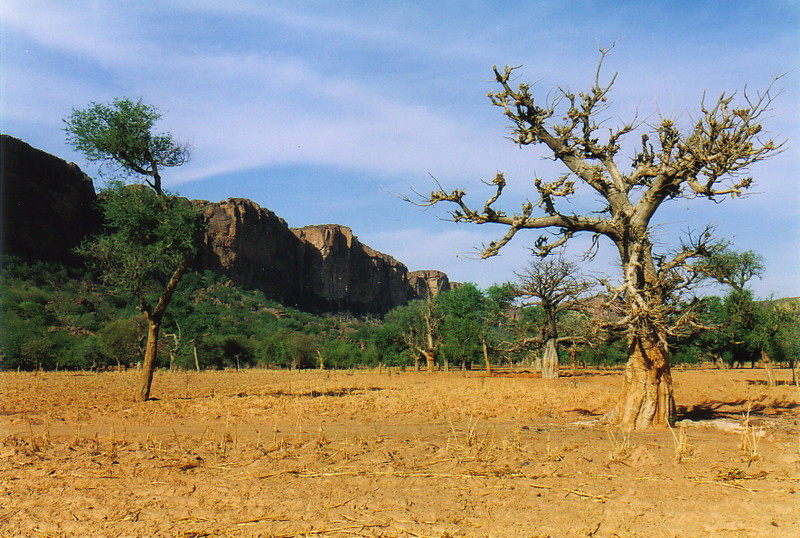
49	207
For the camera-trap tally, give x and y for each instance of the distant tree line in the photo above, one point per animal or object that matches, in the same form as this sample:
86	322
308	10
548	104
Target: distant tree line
56	317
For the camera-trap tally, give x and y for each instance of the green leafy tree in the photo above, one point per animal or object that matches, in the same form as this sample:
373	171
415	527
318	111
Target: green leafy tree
122	340
465	327
227	350
746	329
145	254
787	337
414	328
388	340
151	234
500	317
455	325
732	268
121	134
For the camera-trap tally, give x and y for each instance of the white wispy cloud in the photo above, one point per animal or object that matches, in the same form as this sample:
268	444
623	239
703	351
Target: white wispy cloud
394	93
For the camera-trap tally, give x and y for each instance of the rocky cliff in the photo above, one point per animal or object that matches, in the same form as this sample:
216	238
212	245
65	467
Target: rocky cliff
321	268
341	273
428	284
48	205
255	248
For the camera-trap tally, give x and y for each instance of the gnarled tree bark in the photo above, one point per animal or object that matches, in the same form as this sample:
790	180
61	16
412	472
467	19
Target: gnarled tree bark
707	161
647	396
550	360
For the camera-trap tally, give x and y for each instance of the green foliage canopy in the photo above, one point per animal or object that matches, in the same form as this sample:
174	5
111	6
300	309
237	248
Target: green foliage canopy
149	236
123	133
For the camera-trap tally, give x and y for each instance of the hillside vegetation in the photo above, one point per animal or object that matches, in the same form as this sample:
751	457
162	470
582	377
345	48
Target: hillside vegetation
56	317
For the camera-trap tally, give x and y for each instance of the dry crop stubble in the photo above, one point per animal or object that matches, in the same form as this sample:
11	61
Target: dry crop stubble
261	452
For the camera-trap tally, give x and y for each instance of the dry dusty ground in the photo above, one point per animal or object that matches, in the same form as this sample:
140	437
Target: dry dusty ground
266	453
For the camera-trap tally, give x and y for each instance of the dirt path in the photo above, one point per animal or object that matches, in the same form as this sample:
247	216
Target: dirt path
264	453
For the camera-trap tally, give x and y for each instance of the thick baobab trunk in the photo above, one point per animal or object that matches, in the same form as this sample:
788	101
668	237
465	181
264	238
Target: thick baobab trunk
550	360
430	359
647	398
150	353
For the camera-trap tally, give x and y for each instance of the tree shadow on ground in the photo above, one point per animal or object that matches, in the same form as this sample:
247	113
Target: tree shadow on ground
499	372
735	409
585	412
344	391
763	382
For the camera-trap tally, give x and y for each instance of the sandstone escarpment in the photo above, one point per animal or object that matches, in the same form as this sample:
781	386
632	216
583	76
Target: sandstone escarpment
428	284
48	205
342	274
48	208
322	268
254	247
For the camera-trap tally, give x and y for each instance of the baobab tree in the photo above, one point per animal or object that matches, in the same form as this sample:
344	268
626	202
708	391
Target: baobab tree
708	160
556	286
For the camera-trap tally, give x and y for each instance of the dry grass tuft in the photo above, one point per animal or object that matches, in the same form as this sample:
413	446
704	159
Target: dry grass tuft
621	446
750	437
683	450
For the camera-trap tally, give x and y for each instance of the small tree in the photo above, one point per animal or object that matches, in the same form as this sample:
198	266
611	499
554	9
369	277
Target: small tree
121	134
151	233
732	268
122	339
709	161
420	332
752	327
555	286
146	253
416	329
466	325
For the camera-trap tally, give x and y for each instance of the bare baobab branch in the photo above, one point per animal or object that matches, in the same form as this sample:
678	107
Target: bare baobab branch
708	160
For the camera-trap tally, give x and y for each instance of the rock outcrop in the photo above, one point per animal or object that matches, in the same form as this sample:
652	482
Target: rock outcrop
342	274
254	247
322	268
48	208
48	205
428	284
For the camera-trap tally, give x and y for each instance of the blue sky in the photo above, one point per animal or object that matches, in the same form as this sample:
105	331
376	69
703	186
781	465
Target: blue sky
325	111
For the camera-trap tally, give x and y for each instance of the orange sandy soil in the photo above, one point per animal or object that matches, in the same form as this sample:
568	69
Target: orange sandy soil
269	453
